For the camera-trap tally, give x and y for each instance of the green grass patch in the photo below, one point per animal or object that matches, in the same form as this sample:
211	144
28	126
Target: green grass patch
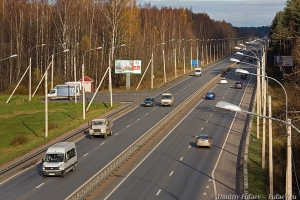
22	122
257	177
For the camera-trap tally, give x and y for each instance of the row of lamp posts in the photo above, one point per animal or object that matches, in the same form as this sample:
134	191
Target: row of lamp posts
208	53
261	102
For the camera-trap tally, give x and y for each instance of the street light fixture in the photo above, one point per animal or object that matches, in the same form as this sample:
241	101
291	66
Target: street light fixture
83	82
12	56
226	107
46	93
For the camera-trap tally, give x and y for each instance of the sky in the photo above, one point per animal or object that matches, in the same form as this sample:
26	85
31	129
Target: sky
239	13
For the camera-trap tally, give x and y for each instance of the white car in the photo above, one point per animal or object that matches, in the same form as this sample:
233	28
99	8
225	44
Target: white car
223	80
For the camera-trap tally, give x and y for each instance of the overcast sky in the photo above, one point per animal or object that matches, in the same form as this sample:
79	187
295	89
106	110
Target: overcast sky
239	13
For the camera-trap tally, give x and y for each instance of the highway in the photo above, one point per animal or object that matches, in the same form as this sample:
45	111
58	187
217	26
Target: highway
176	154
177	169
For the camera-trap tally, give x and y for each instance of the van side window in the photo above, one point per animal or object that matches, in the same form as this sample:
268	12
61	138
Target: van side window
71	154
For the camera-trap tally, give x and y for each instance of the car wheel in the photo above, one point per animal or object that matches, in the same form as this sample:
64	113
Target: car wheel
63	173
73	168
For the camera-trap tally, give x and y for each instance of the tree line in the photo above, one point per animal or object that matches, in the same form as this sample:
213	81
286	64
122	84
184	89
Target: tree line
285	39
39	32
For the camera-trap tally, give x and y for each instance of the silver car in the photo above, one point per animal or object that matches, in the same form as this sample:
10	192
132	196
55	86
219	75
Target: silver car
166	99
204	140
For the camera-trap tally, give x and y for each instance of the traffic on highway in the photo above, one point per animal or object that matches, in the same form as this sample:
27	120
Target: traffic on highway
174	168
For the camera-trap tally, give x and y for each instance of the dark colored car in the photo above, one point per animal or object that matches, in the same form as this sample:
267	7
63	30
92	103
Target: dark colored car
149	101
244	76
238	85
210	95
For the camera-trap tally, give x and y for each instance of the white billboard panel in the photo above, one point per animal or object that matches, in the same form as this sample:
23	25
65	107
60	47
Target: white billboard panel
283	61
128	66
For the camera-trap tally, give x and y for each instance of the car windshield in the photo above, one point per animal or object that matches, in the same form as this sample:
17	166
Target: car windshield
148	99
97	122
203	137
57	157
166	97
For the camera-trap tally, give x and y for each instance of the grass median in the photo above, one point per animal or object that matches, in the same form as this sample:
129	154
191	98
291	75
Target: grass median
22	122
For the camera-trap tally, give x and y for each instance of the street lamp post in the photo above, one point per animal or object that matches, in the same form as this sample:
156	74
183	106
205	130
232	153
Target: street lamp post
165	76
217	49
258	108
83	82
226	107
258	90
52	65
46	93
206	51
240	72
152	67
111	57
184	54
75	69
175	59
29	73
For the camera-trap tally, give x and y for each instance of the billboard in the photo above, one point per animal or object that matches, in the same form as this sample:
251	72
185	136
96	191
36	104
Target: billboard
283	61
128	66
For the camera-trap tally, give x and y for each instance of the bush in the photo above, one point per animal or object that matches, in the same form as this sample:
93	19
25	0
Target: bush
18	140
21	90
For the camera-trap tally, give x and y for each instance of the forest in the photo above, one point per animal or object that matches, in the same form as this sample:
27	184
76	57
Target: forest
284	40
73	36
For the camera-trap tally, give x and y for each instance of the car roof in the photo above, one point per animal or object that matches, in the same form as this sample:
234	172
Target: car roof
223	78
166	94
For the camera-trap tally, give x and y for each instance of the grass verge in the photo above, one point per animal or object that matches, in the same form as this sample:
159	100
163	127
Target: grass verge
22	122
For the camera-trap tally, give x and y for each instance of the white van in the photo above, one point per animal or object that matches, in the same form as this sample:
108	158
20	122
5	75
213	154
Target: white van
60	158
198	71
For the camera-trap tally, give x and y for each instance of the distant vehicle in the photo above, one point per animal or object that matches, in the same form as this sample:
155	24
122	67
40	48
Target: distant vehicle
60	158
223	80
149	101
238	85
166	99
198	71
244	76
210	95
64	92
101	127
204	140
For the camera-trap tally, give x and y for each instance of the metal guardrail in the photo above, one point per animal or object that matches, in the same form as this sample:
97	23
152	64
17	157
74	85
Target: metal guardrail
35	156
93	182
